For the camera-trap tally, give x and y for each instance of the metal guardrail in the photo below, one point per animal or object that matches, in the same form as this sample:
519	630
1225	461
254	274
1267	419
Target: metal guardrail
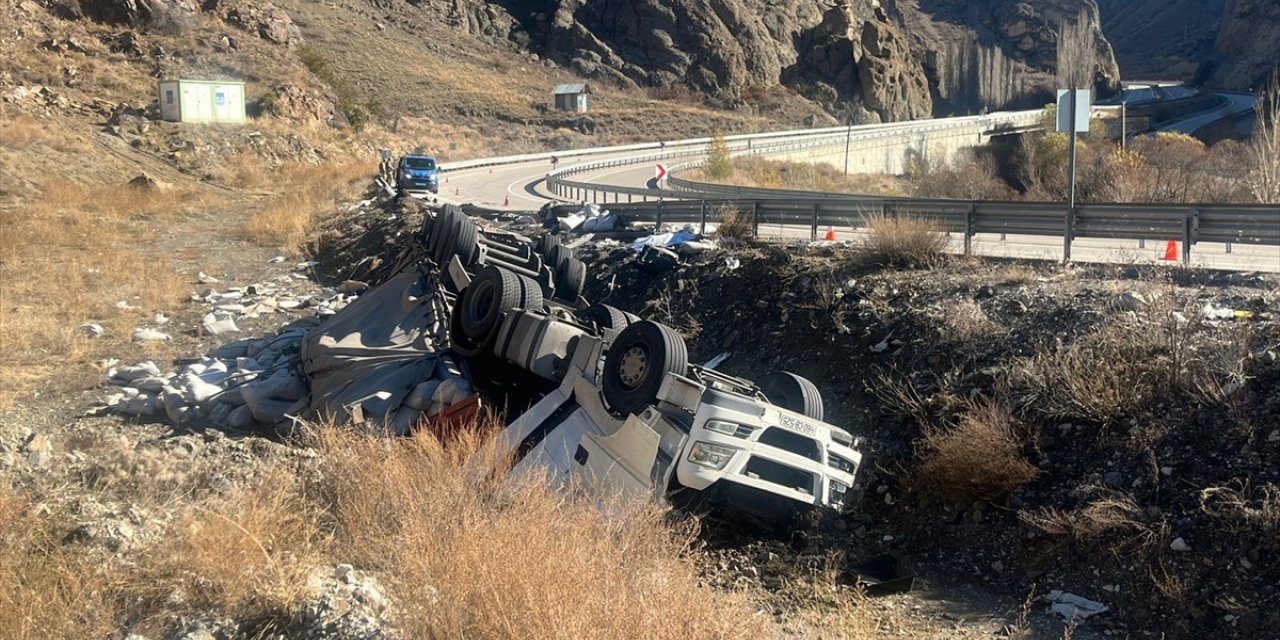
1190	224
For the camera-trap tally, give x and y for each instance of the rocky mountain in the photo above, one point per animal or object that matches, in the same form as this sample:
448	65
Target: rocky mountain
1161	39
869	59
1247	51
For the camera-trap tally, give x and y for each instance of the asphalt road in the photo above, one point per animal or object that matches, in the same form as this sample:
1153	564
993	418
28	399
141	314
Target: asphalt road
522	187
1239	104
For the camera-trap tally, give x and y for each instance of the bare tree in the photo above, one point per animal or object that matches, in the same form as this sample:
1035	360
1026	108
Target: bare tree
1264	148
1077	43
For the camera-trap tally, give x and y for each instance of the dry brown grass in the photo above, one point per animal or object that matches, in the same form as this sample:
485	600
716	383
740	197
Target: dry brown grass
24	133
305	192
902	240
1107	513
1129	363
515	558
69	258
734	226
1244	508
964	323
979	458
758	172
462	550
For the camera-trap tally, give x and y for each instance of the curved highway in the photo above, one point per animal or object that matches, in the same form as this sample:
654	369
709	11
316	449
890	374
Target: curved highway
521	186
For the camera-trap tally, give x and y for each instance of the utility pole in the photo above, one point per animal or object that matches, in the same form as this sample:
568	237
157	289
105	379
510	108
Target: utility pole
848	137
1124	126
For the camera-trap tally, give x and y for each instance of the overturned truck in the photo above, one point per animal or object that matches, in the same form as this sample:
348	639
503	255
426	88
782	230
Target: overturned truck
595	396
604	398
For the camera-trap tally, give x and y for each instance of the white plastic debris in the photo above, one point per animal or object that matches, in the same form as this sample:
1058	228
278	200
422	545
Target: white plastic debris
276	260
160	318
732	263
1179	544
146	334
1073	608
204	278
215	326
1213	312
92	330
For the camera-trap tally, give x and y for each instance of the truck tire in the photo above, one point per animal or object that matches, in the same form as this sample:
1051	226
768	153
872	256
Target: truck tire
530	293
493	292
462	243
637	362
607	317
459	341
557	256
547	242
439	229
571	277
792	392
448	240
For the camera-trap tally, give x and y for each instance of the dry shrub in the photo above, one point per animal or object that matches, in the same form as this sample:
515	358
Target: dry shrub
1117	371
973	178
1014	274
734	225
306	192
979	458
1107	513
964	322
902	240
1241	508
476	554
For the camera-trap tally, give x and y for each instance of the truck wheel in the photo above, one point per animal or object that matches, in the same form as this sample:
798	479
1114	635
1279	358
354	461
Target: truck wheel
448	240
493	292
530	293
638	360
571	277
790	391
548	241
557	256
439	229
607	317
464	240
459	340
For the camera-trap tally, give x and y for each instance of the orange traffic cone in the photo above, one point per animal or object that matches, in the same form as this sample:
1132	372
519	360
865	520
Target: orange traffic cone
831	234
1171	251
506	201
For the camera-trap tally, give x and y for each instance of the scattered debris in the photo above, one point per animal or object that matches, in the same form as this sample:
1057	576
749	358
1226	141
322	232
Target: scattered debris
1073	608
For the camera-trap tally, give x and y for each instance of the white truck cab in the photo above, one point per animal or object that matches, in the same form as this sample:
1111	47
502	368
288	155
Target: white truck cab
632	417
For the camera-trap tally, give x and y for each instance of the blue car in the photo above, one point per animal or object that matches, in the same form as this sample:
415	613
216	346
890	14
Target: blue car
418	172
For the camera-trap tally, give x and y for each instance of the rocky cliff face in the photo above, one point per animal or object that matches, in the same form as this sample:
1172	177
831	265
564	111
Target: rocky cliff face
1248	45
1161	39
869	59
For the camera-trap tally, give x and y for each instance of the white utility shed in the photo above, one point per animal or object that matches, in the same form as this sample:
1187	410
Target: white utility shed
202	101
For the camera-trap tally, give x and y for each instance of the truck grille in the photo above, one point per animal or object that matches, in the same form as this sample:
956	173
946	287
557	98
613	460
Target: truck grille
780	474
792	442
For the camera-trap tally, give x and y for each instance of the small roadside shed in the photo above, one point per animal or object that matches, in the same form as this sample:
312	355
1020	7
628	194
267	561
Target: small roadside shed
571	97
202	101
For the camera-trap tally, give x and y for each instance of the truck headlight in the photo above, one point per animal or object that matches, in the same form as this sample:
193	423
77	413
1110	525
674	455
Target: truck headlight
711	456
841	463
729	428
837	495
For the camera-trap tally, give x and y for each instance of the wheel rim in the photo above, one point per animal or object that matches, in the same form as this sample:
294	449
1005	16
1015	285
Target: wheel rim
633	367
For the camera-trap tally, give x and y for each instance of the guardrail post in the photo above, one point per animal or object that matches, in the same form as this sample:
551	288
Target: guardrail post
755	219
657	226
703	216
1188	234
970	223
1070	223
813	225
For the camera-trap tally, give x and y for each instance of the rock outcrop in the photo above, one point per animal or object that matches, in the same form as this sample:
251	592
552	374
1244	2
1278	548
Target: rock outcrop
1248	46
1161	39
867	59
264	20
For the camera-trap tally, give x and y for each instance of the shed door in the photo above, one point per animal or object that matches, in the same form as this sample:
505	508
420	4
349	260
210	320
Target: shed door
228	102
197	103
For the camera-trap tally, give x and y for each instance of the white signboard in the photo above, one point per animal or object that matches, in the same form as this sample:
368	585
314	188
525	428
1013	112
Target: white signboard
1084	103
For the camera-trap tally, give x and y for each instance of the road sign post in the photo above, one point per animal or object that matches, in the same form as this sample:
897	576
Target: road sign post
1073	118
